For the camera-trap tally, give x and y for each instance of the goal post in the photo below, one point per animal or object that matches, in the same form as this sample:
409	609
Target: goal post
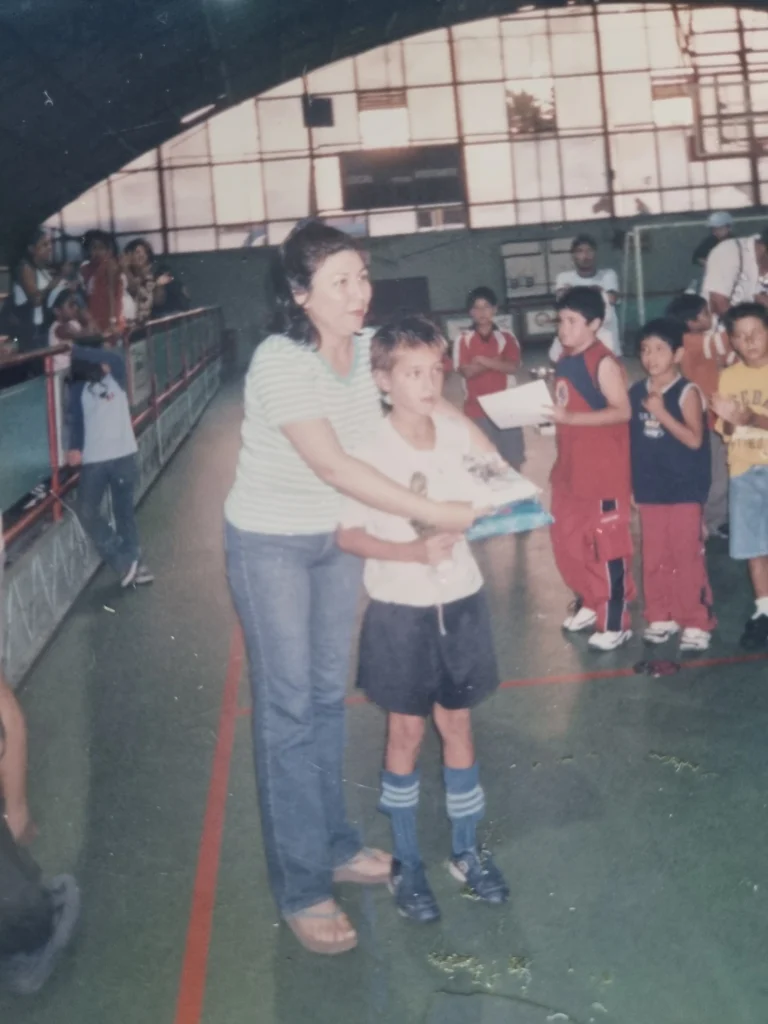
657	264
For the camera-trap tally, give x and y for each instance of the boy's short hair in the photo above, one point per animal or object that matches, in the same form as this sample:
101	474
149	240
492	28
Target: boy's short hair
686	307
667	328
62	297
483	292
581	299
97	235
742	311
406	332
583	239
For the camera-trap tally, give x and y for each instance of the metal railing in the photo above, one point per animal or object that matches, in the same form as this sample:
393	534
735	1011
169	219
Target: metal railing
163	357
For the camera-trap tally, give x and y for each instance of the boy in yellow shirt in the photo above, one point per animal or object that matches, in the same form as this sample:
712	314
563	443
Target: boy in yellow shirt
741	404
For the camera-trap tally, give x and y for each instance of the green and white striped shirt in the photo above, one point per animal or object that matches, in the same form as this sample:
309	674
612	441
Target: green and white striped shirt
275	491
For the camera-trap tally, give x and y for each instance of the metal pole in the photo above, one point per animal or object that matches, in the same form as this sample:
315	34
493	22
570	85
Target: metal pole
640	276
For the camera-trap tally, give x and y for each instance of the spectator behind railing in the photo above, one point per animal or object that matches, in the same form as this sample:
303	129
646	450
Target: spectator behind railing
171	295
145	284
104	283
24	315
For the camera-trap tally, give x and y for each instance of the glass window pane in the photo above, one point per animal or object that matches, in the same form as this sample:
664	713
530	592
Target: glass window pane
583	163
531	106
338	77
246	236
90	210
573	45
549	168
477	47
493	216
713	19
526	56
638	204
197	240
281	124
526	163
234	134
238	193
432	114
577	103
188	198
664	46
381	68
586	208
489	173
730	196
286	183
136	201
552	209
483	109
678	201
628	99
189	148
142	163
623	41
634	162
293	88
385	129
328	184
723	172
345	131
428	59
673	158
394	222
278	231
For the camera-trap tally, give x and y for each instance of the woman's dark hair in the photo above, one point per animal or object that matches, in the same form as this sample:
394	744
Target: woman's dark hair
667	328
97	235
581	299
686	307
21	250
300	257
140	243
482	293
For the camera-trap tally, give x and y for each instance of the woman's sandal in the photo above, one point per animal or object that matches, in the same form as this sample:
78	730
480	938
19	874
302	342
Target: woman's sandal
351	871
312	943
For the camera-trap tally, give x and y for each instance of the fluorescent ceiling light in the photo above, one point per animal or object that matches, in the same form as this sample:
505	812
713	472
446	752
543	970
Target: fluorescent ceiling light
196	114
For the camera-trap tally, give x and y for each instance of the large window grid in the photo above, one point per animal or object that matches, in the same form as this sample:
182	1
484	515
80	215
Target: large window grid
563	115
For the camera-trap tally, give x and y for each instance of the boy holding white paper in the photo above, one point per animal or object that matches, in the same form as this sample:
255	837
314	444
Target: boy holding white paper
486	357
426	645
591	485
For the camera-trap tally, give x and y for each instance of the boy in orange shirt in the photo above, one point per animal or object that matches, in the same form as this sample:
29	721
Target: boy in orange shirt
706	351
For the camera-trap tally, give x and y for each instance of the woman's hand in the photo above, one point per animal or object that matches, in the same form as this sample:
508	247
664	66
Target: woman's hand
163	280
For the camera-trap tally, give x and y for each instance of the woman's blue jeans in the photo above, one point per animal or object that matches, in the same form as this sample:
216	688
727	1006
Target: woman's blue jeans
297	598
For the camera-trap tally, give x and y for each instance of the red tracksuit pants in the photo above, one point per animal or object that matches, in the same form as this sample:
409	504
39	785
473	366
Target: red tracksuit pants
592	545
675	580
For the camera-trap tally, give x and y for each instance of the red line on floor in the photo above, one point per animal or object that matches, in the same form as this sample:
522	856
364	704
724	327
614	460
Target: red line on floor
189	1006
583	677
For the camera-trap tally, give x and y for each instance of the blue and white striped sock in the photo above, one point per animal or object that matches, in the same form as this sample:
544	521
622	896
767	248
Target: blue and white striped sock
400	800
465	802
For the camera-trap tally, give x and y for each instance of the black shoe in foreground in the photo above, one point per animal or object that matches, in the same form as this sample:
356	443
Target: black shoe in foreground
480	875
414	898
26	973
755	635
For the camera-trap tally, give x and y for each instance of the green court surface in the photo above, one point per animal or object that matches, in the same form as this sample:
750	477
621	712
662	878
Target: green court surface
628	813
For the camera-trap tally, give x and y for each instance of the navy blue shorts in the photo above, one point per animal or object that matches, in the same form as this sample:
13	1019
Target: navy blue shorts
406	665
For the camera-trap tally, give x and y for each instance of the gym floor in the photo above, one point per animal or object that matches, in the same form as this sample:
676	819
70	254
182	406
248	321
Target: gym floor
625	811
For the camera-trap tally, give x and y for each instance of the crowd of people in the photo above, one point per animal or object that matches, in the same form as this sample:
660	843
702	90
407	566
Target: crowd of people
330	497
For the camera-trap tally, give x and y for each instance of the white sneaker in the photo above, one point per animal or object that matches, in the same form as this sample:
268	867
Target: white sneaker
695	639
583	618
130	575
609	640
660	632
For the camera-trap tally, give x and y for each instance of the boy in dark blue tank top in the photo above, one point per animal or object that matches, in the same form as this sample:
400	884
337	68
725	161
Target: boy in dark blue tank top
671	475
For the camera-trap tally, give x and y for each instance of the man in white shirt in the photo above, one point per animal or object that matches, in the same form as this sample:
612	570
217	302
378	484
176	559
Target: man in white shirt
737	271
586	274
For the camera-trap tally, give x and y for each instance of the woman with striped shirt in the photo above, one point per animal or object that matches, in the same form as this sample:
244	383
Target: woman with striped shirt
310	399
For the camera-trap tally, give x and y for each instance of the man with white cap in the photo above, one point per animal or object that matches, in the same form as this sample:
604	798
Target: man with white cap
720	226
737	271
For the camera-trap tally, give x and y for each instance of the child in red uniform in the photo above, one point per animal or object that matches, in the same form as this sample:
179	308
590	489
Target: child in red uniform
486	357
103	282
706	351
591	486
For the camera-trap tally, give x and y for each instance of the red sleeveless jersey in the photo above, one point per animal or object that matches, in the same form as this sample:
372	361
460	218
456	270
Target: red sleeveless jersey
592	462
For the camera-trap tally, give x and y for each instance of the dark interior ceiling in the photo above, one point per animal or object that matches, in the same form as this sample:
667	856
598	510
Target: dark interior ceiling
87	85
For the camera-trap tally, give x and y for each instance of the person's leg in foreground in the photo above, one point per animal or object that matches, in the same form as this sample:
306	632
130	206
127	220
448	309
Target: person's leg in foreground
122	484
658	574
94	480
749	543
692	593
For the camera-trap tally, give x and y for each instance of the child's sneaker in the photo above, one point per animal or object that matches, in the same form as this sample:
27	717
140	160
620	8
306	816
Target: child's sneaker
609	640
755	635
580	619
481	876
143	575
660	632
130	574
695	639
414	898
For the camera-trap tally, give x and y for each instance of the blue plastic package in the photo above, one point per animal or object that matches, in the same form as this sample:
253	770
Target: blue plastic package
519	517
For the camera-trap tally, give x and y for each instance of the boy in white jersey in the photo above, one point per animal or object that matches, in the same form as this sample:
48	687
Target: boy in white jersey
426	645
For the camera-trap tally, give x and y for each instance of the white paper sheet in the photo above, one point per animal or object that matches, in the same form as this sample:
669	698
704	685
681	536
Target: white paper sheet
518	407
